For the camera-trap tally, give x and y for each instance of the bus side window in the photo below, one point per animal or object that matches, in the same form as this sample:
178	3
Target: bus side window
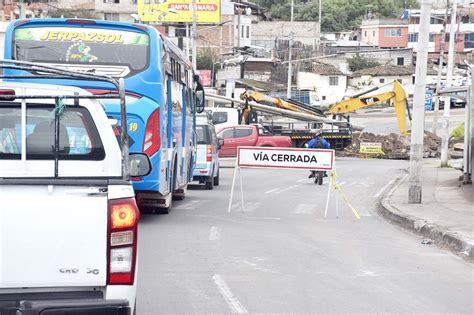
178	72
183	74
186	78
173	69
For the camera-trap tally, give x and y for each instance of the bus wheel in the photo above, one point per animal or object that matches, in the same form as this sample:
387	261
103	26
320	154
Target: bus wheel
180	193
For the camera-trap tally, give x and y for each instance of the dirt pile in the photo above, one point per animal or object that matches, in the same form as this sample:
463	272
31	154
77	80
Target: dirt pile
456	148
394	146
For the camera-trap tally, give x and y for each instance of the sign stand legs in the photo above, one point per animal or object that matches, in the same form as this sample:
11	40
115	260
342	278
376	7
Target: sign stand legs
232	187
329	195
241	189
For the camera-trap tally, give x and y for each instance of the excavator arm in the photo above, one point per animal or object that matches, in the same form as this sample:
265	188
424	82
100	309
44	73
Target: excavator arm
275	101
397	97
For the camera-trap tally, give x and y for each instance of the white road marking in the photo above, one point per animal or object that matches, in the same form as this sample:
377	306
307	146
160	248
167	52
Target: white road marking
257	267
383	188
214	234
270	191
264	218
342	183
235	306
301	180
290	188
366	273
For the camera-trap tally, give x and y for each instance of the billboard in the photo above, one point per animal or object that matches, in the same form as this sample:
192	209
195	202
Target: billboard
179	11
205	76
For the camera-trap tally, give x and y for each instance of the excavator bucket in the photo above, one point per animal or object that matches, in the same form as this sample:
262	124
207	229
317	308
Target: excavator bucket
400	104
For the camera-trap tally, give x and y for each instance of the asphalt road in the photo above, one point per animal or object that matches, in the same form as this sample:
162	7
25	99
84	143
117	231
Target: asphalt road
280	255
384	121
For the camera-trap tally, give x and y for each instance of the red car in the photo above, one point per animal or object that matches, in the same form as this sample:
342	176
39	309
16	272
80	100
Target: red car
247	135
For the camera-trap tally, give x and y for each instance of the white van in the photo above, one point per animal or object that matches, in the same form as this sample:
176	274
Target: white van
68	217
206	170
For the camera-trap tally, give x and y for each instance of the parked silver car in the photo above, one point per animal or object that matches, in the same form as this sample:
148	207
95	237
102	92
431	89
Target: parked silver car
207	160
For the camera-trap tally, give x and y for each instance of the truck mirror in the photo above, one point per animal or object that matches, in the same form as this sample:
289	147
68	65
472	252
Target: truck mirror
220	143
200	98
140	164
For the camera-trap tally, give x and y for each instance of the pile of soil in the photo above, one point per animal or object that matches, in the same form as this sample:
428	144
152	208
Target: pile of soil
394	146
456	148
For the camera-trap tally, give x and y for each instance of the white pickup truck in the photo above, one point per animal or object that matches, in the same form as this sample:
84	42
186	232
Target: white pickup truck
68	217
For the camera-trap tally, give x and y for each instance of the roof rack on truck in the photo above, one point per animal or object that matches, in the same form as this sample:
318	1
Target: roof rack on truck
39	71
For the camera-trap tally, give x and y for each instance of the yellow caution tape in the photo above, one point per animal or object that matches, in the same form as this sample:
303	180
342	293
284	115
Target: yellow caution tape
338	188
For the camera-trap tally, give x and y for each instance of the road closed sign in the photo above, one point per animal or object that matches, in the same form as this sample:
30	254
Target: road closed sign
264	157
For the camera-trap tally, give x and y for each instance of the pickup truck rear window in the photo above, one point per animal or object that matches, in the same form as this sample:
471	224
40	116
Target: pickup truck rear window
242	132
78	136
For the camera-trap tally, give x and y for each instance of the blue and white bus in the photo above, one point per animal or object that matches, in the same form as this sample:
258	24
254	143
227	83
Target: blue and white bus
163	94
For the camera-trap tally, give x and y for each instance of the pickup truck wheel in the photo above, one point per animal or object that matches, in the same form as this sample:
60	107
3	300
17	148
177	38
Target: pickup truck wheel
210	183
216	179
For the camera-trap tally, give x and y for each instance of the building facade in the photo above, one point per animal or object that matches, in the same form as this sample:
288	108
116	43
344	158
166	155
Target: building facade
327	81
385	33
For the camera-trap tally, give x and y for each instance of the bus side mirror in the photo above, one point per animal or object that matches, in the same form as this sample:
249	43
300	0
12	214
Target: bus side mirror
200	98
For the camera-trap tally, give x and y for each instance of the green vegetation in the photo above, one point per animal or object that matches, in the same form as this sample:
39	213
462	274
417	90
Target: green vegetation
337	15
359	62
205	58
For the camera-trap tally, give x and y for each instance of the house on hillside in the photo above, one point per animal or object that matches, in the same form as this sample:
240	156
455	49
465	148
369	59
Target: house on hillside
326	80
366	79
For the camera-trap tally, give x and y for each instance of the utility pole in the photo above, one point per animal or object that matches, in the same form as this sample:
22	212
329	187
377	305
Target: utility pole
290	44
194	34
238	28
449	76
320	23
416	146
21	8
440	70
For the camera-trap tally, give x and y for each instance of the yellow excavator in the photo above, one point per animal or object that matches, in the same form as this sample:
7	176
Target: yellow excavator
287	104
397	97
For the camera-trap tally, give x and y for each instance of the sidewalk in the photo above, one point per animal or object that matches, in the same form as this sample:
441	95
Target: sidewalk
446	214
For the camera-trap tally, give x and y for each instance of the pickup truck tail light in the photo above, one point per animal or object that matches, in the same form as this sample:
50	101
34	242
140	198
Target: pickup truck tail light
122	241
209	153
152	141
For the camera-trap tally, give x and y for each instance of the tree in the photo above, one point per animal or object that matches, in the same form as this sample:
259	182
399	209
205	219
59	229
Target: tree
337	15
358	62
205	59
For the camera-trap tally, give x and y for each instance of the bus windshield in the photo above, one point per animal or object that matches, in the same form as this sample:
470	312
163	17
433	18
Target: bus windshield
105	51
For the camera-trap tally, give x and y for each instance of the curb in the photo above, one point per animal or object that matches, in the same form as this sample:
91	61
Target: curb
438	234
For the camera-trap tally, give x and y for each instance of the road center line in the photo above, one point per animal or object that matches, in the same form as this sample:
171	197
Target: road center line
383	188
234	304
270	191
214	234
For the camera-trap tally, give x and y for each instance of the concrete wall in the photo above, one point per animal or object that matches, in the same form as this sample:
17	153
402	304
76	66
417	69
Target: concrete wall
383	56
227	73
124	7
304	32
220	38
367	82
327	94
